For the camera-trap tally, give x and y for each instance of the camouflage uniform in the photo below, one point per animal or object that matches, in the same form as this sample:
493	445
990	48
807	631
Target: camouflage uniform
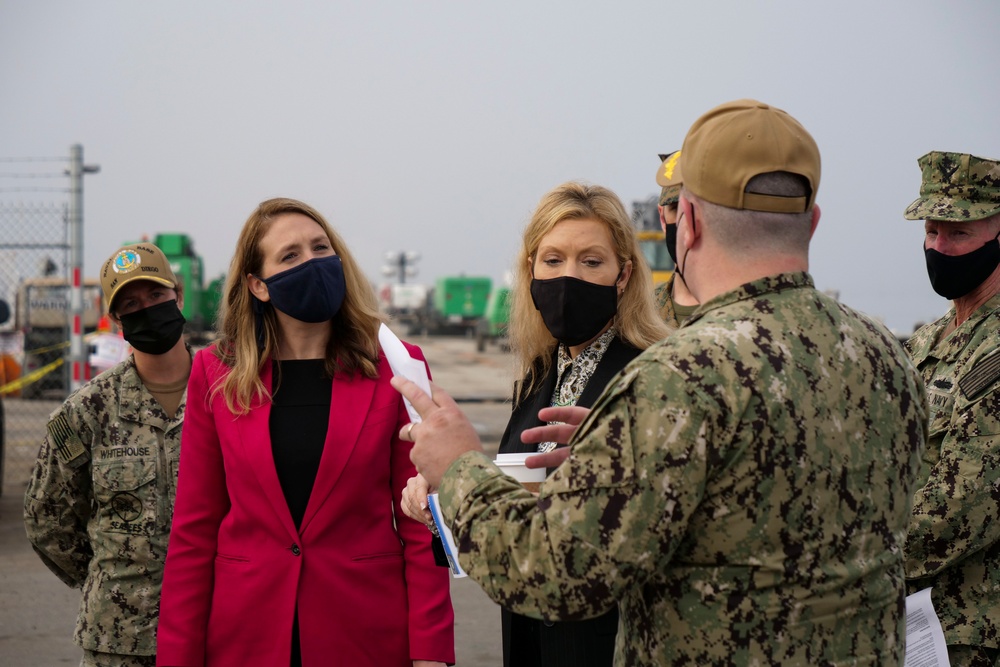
956	186
668	175
741	490
954	539
672	313
665	303
99	505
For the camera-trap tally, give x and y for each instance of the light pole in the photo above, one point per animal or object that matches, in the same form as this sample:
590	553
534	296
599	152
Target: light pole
401	264
77	355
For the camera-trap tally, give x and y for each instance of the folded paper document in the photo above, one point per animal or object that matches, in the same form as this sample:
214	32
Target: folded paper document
404	365
925	643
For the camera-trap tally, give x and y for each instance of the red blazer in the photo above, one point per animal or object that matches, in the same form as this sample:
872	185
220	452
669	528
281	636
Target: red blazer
361	573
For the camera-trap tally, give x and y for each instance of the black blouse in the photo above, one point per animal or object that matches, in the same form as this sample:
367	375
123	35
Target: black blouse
300	415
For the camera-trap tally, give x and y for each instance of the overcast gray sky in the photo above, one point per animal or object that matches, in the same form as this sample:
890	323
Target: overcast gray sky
437	126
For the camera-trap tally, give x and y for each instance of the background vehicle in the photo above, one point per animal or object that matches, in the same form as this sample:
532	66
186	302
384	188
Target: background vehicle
459	303
646	219
405	303
42	317
493	327
454	306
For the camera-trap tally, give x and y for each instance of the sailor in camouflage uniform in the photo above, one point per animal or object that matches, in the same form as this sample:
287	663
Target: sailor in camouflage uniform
954	540
672	298
742	490
99	504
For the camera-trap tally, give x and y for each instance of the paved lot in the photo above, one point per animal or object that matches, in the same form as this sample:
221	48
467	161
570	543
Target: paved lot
38	612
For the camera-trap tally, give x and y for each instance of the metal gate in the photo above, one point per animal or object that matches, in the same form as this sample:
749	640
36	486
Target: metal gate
34	247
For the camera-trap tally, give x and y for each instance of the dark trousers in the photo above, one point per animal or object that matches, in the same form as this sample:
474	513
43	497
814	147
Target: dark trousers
528	642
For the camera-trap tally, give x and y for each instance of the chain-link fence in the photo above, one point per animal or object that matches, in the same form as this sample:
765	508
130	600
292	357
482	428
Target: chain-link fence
34	339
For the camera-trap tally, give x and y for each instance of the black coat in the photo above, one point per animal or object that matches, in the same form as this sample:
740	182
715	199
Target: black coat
528	642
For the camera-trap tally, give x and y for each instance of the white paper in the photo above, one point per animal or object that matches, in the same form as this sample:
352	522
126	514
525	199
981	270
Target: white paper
450	548
403	365
925	643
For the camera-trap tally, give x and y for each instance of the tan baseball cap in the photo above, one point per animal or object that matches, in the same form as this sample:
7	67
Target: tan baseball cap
138	261
738	140
668	177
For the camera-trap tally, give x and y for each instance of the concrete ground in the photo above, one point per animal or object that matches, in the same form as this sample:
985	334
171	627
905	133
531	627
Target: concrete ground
38	612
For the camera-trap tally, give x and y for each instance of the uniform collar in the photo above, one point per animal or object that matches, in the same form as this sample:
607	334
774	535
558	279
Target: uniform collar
667	310
753	290
925	343
137	404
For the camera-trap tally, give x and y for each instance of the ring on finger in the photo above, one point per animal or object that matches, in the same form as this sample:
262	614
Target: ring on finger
409	427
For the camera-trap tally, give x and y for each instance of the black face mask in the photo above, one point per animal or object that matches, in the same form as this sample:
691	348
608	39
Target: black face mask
670	237
677	265
954	276
154	330
574	311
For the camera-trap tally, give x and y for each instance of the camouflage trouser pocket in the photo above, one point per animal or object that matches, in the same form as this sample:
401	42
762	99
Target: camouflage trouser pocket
126	496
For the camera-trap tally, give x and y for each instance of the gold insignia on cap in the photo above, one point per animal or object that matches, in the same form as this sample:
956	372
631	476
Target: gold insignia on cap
670	164
126	261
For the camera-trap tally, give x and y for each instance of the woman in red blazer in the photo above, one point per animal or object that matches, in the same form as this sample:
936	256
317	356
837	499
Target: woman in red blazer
286	546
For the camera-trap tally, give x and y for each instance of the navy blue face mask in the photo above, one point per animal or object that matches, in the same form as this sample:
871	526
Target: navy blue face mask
313	291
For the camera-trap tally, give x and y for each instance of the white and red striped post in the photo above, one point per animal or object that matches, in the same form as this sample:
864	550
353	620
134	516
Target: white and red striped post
80	372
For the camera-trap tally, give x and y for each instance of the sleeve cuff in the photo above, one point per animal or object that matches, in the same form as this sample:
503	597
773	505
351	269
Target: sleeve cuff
461	479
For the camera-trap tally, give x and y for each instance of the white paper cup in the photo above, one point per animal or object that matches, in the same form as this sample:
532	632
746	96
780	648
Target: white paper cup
513	465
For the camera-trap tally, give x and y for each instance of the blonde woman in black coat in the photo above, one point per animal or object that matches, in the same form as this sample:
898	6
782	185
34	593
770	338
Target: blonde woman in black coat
582	307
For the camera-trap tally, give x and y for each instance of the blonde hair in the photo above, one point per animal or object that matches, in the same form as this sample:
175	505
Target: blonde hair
637	320
353	344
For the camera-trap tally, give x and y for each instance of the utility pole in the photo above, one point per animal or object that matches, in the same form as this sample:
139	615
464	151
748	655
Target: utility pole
77	353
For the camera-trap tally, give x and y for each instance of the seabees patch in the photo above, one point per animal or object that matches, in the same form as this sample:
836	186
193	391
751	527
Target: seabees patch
65	441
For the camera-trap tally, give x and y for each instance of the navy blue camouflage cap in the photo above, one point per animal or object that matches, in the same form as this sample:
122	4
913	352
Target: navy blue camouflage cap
956	186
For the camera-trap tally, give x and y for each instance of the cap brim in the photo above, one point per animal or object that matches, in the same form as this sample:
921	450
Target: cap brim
119	286
670	195
948	208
